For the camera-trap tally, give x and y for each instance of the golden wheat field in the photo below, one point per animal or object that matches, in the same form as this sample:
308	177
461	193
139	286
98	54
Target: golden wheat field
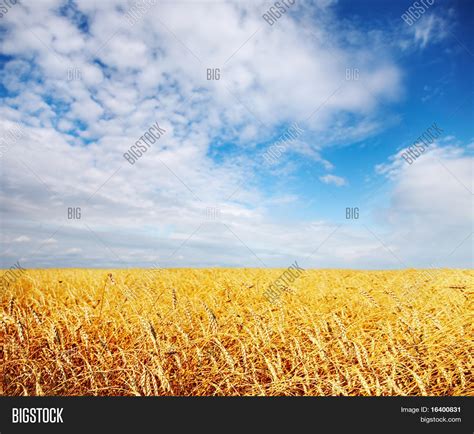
212	332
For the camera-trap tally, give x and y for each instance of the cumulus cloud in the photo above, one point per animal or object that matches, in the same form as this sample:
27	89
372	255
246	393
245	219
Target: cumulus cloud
84	85
430	210
333	179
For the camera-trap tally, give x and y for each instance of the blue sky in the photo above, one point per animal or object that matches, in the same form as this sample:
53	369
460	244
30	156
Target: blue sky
82	82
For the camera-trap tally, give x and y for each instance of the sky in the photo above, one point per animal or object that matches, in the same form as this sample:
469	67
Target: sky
276	138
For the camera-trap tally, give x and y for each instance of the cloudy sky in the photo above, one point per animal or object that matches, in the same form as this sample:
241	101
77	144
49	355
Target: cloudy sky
273	128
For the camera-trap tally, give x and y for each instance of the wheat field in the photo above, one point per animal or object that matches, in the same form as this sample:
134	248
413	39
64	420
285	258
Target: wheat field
197	332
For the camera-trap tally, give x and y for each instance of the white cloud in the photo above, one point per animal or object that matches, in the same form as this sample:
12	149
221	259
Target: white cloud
78	126
431	28
430	209
333	179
